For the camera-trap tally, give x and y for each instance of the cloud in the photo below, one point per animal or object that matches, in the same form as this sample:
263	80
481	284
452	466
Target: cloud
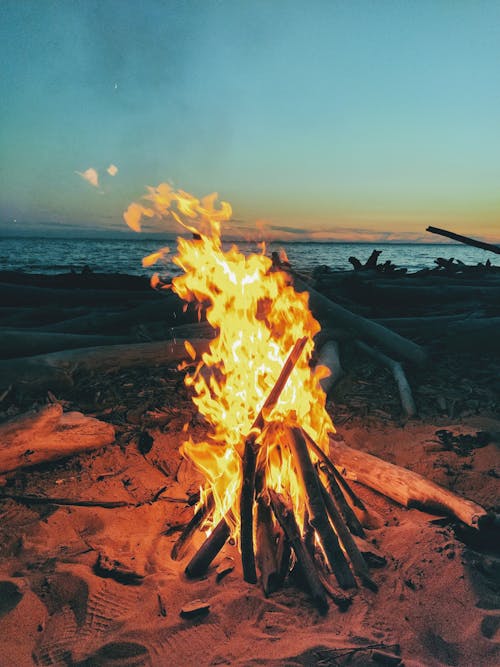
112	170
90	175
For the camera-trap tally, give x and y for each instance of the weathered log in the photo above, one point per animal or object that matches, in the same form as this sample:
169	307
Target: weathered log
48	435
55	370
25	343
358	563
246	510
284	514
71	502
169	309
465	239
200	562
404	486
181	545
266	548
398	373
20	295
316	507
331	314
329	357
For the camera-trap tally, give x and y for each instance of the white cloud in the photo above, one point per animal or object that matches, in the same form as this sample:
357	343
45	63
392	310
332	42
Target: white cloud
90	175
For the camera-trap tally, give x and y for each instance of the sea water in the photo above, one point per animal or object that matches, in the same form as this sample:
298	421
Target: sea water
58	255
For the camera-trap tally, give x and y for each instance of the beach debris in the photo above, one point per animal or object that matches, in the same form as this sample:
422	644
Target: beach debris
195	609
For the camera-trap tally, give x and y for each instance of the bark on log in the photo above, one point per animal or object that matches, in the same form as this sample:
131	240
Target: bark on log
404	486
330	358
25	343
316	507
398	373
358	563
246	511
284	514
345	509
55	370
266	548
465	239
331	314
200	562
38	437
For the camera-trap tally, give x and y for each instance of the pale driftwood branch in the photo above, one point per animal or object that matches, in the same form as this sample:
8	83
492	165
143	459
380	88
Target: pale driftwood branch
465	239
331	314
404	486
38	437
55	370
398	373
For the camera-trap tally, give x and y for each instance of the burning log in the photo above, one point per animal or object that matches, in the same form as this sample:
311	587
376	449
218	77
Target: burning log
404	486
345	509
398	373
465	239
284	514
266	548
331	314
48	435
203	512
246	511
317	509
200	562
358	563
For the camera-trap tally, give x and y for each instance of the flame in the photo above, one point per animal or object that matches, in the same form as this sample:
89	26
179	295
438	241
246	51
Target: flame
259	317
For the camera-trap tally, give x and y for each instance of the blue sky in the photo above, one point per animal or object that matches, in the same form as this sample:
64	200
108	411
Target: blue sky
352	120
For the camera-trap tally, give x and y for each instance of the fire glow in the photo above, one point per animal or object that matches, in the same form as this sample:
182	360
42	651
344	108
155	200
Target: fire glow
259	318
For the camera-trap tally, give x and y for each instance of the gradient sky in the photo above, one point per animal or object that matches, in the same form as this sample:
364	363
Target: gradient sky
349	120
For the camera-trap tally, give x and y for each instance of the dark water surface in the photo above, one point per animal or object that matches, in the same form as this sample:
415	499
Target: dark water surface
36	255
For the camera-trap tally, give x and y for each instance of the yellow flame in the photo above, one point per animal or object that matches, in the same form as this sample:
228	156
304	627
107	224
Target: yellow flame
259	317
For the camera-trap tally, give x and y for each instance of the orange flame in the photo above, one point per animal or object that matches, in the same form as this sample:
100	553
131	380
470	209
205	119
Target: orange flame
259	317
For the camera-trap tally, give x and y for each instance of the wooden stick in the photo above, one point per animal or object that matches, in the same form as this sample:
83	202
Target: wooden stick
284	514
357	502
181	545
249	462
350	547
335	491
72	502
266	548
247	495
317	509
399	375
465	239
404	486
48	435
200	562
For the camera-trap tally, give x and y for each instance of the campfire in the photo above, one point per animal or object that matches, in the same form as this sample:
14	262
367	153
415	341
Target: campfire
269	484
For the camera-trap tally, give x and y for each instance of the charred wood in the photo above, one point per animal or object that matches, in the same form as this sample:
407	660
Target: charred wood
266	548
181	545
200	562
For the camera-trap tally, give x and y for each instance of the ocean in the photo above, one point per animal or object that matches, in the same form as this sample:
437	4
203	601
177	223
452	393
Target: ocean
54	255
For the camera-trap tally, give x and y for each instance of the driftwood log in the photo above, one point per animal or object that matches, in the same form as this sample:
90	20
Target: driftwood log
55	370
331	314
465	239
404	486
398	373
25	343
50	434
329	357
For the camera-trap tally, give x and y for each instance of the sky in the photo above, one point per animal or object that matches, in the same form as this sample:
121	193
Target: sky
342	120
